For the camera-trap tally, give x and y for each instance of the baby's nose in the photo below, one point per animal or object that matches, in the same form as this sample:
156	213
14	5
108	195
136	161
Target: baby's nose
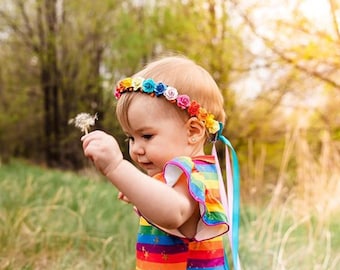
137	148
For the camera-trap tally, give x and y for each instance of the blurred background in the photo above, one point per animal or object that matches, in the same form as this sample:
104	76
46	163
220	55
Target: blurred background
277	64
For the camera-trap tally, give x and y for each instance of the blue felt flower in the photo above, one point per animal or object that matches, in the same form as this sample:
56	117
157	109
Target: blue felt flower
149	86
160	89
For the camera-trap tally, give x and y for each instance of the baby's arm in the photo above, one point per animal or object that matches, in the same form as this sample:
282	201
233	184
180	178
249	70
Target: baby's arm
167	207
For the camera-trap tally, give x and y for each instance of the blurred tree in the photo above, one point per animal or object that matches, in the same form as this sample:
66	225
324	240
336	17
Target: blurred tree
77	49
295	75
200	29
67	53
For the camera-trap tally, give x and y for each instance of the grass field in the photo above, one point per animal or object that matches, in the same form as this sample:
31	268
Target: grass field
61	220
57	220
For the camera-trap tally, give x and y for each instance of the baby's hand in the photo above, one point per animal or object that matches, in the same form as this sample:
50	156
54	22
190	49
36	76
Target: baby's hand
103	150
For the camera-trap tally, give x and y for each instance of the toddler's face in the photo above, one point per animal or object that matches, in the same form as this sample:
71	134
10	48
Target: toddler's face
156	133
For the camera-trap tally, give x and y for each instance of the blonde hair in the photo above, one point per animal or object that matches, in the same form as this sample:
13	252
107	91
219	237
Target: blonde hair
187	77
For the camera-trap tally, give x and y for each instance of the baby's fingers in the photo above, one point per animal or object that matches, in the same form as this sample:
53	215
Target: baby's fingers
122	197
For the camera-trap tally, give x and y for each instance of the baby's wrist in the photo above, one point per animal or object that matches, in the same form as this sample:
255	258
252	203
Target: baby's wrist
112	168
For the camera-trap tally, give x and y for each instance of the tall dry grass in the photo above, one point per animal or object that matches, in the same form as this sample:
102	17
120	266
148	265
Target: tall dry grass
58	220
298	226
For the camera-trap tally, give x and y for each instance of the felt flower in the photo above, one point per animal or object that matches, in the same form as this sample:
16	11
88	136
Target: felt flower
194	108
149	86
126	83
160	89
211	124
171	93
202	114
122	86
119	88
84	121
137	83
117	93
183	101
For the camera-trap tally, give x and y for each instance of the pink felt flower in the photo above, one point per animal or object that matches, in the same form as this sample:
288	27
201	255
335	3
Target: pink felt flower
183	101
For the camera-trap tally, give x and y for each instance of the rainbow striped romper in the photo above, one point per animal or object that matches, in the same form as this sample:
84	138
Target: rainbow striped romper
158	249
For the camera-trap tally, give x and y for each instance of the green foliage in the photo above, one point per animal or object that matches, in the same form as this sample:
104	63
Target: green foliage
20	104
72	68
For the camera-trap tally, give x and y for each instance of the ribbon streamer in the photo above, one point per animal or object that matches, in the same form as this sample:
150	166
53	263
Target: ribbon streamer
231	203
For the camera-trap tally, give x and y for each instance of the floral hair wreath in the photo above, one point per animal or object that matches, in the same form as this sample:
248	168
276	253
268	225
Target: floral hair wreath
149	86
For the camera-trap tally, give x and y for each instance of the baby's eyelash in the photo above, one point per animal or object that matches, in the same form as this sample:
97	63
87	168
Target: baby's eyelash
128	138
147	136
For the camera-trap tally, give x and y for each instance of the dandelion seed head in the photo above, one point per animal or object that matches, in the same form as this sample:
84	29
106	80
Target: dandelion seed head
84	121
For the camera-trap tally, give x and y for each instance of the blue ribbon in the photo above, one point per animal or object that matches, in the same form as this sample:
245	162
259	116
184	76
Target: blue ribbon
236	199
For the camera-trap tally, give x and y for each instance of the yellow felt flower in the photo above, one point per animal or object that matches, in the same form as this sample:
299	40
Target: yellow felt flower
211	124
127	82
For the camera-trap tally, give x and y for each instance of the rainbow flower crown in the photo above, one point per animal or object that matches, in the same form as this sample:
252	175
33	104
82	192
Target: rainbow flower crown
149	86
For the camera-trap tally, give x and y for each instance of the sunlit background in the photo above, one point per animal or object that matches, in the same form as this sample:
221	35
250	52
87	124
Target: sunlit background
277	63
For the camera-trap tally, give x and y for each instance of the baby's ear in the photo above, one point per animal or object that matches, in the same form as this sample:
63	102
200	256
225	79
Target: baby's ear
196	130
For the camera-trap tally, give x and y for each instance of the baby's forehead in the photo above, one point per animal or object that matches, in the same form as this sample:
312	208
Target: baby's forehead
151	104
144	107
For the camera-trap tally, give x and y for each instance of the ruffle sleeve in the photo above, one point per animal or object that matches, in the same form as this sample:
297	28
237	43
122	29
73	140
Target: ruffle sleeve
204	188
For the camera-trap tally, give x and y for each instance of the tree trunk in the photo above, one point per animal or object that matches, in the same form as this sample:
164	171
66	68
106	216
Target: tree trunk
49	80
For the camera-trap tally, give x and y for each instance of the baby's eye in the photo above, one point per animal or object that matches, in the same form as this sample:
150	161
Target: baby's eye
147	136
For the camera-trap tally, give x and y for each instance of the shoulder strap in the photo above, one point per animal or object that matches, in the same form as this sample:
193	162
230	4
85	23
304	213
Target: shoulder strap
231	202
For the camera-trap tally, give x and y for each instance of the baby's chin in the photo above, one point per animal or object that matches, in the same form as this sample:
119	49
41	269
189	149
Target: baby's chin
150	169
152	173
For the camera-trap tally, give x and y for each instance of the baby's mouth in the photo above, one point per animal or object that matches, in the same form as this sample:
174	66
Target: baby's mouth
145	164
